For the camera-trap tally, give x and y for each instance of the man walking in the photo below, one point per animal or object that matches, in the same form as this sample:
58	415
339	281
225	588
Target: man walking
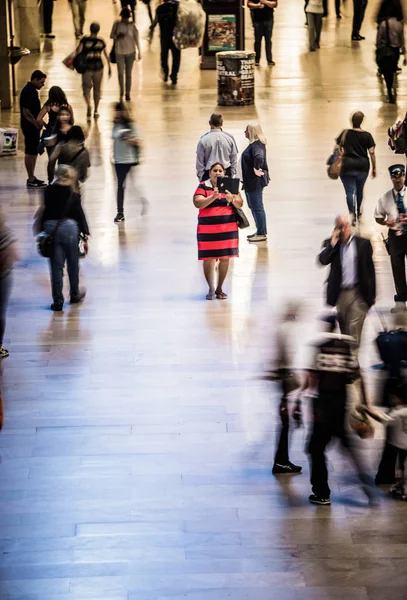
352	279
48	9
359	8
30	107
263	20
332	367
391	212
216	146
78	8
166	17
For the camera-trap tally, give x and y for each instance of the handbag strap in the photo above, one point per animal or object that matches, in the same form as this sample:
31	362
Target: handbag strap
77	154
343	138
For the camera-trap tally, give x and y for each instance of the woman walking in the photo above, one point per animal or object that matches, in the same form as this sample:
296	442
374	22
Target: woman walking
8	256
314	11
255	176
56	102
357	145
127	45
63	217
126	150
218	236
389	42
92	47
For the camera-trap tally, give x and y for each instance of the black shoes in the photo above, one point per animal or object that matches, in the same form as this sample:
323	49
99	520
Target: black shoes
271	63
119	218
57	306
173	80
164	76
356	37
128	98
50	36
36	183
287	468
79	298
318	500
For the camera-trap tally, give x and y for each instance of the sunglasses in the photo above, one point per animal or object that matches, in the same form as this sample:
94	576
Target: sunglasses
397	173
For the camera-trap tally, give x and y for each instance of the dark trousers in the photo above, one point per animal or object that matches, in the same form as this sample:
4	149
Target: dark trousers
5	290
359	7
325	6
388	70
122	170
66	249
263	29
288	383
398	252
354	182
206	174
329	422
387	468
168	45
48	9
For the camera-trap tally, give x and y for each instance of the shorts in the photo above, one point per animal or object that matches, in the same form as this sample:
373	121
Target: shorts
31	140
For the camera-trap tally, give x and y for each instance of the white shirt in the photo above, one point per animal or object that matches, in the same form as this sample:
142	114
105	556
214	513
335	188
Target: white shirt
386	208
348	263
397	419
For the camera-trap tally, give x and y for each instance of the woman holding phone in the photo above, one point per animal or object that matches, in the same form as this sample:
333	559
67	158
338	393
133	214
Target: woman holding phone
218	236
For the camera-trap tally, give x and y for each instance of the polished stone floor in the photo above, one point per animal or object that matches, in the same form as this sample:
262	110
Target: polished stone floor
136	454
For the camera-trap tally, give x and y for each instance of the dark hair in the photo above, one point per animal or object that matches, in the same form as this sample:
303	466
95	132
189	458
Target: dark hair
125	13
388	9
125	116
66	109
215	165
94	27
38	75
56	95
357	118
216	119
75	133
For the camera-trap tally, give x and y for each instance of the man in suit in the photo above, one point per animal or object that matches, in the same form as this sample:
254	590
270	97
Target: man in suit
352	279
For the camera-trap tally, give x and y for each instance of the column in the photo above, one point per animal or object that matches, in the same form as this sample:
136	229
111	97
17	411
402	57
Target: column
5	69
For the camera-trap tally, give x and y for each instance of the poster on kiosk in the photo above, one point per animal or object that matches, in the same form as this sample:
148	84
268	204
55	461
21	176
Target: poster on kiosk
224	29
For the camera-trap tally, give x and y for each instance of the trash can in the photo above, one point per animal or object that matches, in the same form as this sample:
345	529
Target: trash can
8	141
235	78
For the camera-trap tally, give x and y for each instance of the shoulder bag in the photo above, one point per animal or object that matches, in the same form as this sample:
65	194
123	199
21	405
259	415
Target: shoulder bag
335	161
46	241
112	55
241	219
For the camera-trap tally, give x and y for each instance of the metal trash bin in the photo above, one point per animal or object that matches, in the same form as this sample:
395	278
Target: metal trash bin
235	71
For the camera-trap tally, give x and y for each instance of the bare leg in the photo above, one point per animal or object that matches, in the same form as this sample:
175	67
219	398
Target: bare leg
222	272
209	272
30	162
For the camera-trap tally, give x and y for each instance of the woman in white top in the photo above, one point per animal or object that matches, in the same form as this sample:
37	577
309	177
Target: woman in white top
126	40
314	10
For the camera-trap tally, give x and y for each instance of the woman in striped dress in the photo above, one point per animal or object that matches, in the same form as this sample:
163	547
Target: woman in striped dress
218	237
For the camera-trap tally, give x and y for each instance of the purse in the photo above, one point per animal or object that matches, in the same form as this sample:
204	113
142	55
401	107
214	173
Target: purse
79	63
335	161
112	55
241	219
46	241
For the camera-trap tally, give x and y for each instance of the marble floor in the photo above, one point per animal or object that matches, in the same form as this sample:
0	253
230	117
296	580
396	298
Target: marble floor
136	452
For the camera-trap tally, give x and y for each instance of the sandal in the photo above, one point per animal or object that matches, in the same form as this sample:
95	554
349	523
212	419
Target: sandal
210	296
221	295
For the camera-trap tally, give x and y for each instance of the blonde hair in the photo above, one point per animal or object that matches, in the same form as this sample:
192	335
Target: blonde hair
255	133
66	175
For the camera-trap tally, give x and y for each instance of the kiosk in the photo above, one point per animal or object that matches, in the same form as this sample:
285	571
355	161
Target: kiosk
224	30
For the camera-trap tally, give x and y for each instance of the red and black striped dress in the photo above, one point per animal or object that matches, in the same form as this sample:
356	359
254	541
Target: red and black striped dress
218	235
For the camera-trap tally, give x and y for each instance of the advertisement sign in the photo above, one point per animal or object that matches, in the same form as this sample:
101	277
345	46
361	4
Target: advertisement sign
235	78
221	32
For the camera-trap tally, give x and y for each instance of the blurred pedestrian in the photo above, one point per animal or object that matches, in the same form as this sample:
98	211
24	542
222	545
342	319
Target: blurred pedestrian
286	342
127	47
73	153
359	8
216	146
389	42
131	4
8	256
30	108
64	219
166	17
314	10
357	146
218	236
47	10
78	8
391	212
255	175
126	152
56	101
91	48
263	20
332	366
351	283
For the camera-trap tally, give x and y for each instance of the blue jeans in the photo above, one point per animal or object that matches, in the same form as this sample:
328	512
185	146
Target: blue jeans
255	203
66	248
354	182
5	290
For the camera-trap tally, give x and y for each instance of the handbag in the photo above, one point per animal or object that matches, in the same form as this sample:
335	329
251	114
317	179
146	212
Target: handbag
335	161
385	55
79	63
112	55
241	219
45	241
